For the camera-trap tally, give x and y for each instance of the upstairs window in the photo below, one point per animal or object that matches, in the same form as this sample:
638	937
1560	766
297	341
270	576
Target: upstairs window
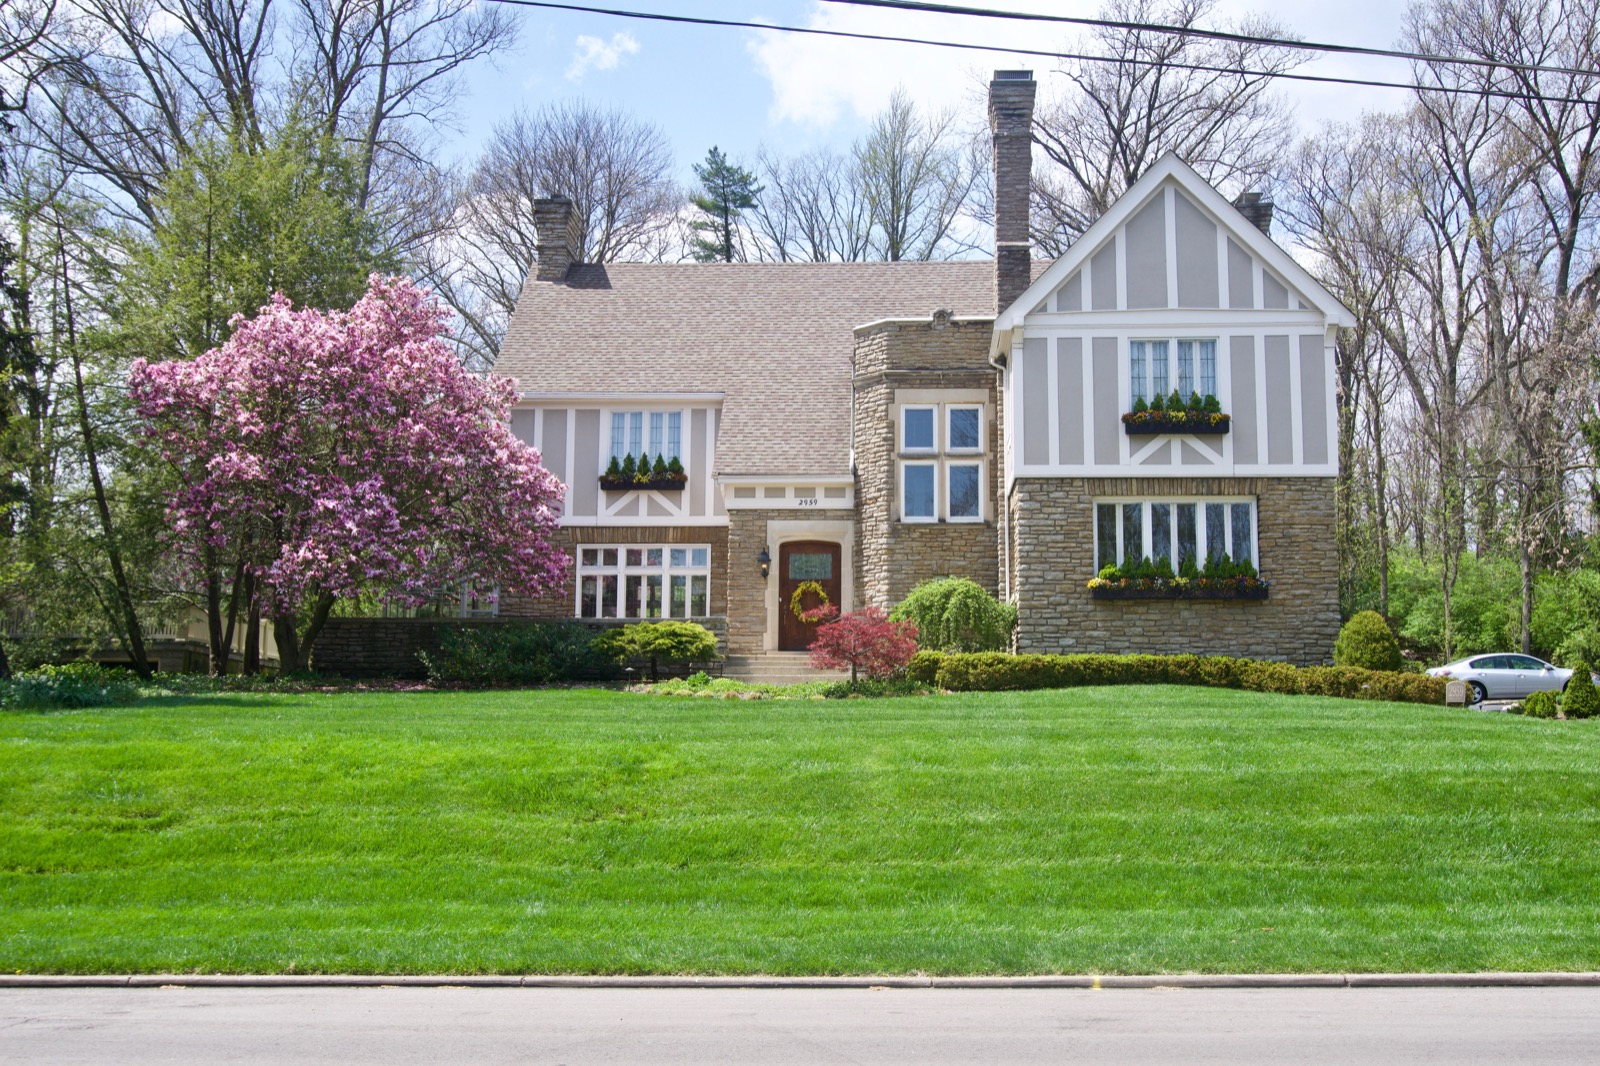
649	433
941	463
1158	367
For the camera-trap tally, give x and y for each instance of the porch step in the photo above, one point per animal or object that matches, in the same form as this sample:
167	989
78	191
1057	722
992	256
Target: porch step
778	668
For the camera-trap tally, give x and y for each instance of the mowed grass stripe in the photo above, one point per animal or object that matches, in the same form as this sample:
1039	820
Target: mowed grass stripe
1117	829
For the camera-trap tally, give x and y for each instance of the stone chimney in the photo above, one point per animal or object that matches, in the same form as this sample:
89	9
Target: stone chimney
559	236
1011	120
1257	210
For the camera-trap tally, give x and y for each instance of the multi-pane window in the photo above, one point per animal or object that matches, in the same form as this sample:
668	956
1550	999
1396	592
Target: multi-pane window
1175	531
942	465
649	433
1158	367
644	581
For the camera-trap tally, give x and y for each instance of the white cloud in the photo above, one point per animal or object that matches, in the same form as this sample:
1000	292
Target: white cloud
592	53
818	81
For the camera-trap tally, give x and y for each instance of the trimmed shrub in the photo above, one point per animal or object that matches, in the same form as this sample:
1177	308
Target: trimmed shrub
66	687
866	643
1580	699
658	642
1540	705
956	614
924	667
513	653
994	672
1368	642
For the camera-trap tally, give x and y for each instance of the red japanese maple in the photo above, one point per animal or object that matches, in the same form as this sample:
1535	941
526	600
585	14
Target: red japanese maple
867	642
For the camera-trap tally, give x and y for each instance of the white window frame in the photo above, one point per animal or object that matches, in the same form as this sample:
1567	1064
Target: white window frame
1146	533
942	458
645	415
1146	386
949	410
621	571
932	448
947	467
933	464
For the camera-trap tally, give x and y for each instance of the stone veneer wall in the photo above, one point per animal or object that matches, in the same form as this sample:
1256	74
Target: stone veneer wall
571	537
747	592
1053	524
893	556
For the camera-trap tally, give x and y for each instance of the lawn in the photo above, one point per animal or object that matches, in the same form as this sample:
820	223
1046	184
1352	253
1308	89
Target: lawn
1105	830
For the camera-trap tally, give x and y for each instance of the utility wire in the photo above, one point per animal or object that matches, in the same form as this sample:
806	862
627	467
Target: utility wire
1214	35
694	20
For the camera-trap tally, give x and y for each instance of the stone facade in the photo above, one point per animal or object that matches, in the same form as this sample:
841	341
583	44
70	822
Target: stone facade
748	536
570	538
1052	531
1011	96
940	354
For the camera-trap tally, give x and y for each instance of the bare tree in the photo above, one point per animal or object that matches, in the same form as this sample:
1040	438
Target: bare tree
916	181
616	170
813	209
1119	118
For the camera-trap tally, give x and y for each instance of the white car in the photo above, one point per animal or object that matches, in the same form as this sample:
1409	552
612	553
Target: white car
1504	677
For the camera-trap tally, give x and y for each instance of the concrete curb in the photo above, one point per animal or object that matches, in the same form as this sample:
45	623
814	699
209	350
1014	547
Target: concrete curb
1069	981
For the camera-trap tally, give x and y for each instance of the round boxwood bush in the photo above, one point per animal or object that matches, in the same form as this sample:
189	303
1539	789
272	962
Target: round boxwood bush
1580	700
955	614
1539	705
1368	642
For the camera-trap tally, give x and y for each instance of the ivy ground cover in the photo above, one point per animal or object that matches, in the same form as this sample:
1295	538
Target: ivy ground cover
1089	830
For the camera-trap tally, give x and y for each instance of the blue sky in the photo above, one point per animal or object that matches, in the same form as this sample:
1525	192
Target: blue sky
740	89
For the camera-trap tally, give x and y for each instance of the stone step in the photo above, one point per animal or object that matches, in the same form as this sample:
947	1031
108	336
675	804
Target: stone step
778	668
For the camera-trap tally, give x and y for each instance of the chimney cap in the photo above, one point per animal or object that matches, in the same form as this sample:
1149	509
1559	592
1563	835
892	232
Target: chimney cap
1013	75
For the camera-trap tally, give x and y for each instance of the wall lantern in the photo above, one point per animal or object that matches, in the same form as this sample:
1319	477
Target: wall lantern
766	563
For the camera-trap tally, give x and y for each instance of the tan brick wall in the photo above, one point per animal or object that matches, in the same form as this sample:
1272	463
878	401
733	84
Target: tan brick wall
1053	522
569	538
893	556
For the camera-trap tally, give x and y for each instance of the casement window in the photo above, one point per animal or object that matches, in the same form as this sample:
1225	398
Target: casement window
1157	367
644	581
649	433
942	465
1177	531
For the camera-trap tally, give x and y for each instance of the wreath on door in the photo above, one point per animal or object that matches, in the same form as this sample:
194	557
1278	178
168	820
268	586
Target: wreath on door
798	607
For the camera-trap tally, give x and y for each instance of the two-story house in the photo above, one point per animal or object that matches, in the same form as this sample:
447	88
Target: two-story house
870	425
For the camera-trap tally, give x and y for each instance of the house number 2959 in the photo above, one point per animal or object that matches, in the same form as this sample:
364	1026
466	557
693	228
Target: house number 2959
806	501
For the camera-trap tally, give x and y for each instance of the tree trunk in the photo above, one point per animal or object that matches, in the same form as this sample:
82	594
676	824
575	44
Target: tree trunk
1525	558
288	641
252	629
132	629
5	663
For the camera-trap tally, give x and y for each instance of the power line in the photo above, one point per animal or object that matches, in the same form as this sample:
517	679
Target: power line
1215	35
696	20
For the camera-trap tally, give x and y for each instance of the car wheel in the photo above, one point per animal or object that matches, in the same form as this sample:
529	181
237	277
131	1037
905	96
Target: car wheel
1478	693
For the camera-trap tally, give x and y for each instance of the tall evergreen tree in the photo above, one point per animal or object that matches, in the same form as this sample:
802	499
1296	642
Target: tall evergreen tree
727	190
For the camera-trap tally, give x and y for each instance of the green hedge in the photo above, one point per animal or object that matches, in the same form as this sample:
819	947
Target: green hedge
1000	672
515	653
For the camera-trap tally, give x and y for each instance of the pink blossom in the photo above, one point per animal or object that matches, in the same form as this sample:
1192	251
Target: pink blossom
342	452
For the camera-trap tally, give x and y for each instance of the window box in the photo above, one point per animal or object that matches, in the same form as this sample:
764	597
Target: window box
665	484
1247	589
1137	423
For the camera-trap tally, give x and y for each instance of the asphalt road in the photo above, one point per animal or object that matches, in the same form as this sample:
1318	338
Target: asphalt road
707	1027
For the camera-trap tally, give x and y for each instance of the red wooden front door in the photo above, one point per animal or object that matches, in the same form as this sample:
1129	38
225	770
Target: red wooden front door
798	562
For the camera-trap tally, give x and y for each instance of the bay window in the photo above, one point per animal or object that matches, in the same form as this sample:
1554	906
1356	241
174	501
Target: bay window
644	581
1176	531
941	466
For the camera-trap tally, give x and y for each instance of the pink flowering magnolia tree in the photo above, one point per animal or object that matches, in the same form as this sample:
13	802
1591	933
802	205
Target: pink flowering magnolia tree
332	453
865	641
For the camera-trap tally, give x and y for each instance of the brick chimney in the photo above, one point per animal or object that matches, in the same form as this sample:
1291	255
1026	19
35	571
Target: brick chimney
1011	120
1257	210
559	237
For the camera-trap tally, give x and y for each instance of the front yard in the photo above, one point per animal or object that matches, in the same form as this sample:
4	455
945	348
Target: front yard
1110	830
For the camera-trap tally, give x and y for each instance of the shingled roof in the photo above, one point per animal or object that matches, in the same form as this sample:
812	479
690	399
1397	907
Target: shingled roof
774	338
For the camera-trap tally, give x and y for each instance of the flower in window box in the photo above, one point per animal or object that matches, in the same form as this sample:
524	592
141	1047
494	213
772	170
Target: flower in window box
675	470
